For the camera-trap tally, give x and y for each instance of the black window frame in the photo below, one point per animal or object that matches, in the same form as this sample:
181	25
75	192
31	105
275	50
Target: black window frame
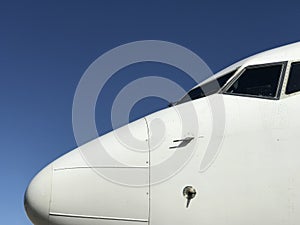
238	75
232	72
288	80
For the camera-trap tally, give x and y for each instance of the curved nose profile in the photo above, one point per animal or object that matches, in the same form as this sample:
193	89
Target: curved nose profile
37	197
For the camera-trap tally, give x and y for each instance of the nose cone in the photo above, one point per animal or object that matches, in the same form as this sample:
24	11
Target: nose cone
37	197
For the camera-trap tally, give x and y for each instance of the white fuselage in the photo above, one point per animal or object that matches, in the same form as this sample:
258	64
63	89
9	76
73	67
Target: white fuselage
240	153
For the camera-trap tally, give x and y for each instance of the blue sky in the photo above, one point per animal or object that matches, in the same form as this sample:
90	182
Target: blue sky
45	47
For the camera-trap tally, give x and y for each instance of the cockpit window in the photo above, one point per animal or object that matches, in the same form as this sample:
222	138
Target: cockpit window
207	89
293	84
258	81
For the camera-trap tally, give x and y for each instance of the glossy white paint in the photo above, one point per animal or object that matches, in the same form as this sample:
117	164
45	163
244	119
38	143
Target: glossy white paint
38	196
252	180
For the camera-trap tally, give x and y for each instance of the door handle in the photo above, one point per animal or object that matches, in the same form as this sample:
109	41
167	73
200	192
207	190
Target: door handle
183	142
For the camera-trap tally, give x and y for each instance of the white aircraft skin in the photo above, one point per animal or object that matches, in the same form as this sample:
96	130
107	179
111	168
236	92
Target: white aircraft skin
252	178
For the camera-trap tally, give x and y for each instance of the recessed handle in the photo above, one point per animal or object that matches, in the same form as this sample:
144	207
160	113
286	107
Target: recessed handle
183	142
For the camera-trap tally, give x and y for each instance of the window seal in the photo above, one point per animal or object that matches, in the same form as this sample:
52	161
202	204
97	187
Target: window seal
286	80
233	71
279	86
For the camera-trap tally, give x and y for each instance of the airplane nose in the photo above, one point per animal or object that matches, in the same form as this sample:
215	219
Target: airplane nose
37	197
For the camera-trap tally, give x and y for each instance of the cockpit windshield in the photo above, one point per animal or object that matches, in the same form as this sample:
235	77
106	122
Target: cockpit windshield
262	81
206	89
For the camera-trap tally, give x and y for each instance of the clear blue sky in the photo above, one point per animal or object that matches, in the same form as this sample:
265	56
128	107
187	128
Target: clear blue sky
45	46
